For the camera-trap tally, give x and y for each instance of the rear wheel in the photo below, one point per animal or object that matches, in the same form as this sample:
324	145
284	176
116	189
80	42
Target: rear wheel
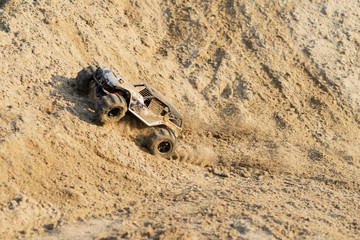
111	108
84	77
162	143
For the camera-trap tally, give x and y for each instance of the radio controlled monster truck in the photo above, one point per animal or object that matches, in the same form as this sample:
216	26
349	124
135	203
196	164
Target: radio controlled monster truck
115	97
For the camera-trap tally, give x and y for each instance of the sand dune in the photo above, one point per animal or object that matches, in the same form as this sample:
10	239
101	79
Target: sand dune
269	92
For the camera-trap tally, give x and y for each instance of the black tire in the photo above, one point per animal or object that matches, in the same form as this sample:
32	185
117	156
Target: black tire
83	79
111	108
162	143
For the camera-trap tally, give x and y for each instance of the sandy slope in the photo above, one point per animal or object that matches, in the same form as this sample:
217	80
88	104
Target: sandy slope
269	90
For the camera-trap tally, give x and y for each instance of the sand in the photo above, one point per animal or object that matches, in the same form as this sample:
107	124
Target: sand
270	96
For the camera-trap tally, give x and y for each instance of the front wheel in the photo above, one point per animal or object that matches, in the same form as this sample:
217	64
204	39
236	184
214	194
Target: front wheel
111	108
162	143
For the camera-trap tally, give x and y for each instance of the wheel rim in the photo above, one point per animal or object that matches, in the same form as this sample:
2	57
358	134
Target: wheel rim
164	147
113	113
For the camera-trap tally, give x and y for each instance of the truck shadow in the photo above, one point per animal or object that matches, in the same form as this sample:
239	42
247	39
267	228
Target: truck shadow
79	105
